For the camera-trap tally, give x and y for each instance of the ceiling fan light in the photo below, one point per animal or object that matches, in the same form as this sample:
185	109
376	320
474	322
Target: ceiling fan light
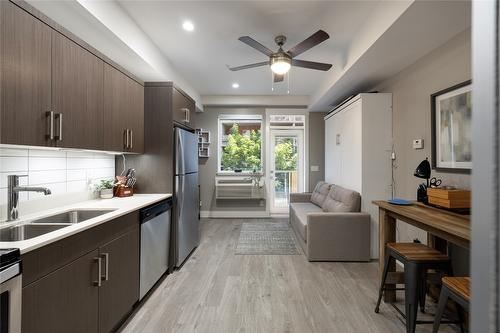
280	67
280	64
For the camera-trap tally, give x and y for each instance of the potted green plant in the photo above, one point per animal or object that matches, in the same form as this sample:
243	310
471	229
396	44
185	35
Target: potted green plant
105	188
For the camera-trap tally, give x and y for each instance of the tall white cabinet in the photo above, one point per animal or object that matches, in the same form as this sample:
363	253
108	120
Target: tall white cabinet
358	146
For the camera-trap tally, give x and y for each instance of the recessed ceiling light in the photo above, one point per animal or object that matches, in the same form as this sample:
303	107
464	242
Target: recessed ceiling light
188	26
236	85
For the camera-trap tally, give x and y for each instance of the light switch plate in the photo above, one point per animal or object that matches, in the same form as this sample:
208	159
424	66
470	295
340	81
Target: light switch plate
314	168
418	144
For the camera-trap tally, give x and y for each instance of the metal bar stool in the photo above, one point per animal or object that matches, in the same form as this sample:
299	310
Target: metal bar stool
458	290
417	258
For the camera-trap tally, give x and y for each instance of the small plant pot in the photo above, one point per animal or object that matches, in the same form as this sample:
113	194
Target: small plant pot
107	193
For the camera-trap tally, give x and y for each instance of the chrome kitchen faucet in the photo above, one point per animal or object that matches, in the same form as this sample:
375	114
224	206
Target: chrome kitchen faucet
13	195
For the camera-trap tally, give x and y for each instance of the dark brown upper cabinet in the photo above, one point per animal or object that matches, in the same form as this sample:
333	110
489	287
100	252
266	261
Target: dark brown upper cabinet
77	95
25	77
183	108
123	112
58	91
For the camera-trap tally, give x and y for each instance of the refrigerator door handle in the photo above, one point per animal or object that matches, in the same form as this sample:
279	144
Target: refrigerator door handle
180	165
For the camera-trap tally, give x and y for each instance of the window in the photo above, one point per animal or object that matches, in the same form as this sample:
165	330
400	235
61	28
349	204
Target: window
240	143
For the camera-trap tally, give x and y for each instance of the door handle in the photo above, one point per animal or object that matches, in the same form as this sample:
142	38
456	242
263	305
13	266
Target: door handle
131	139
50	116
125	138
97	282
105	277
59	136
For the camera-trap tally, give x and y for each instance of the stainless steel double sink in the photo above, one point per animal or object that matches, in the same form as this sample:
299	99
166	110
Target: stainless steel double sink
41	226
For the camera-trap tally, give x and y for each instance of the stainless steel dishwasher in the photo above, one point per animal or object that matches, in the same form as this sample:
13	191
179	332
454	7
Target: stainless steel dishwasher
155	244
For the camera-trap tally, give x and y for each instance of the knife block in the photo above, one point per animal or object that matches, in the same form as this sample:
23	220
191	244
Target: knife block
124	191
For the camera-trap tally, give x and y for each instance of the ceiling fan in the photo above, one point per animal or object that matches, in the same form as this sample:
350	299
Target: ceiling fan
281	61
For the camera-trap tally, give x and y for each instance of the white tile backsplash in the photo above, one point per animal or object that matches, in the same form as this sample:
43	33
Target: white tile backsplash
47	163
10	164
60	170
46	176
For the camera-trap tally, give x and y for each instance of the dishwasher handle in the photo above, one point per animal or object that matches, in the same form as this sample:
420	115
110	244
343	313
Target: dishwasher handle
153	211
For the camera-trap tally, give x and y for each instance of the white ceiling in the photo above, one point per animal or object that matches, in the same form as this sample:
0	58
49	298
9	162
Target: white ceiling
369	41
201	56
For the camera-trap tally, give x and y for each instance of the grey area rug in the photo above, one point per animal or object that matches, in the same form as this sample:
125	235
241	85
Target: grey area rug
273	238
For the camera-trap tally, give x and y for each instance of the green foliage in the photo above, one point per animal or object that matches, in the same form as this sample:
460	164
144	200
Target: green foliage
285	156
106	184
242	152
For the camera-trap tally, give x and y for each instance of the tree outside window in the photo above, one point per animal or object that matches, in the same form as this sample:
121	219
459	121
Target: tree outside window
241	147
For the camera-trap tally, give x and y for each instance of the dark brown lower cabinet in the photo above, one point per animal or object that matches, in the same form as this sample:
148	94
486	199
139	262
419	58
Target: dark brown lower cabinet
65	300
90	293
119	293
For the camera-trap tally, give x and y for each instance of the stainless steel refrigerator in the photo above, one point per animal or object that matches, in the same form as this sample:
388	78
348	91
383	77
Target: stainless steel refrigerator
186	195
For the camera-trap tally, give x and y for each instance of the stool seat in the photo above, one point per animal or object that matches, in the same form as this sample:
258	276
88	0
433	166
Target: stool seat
456	289
459	285
417	252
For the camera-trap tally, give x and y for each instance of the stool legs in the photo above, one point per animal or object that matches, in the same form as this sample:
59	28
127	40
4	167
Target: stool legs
422	288
443	299
387	261
412	281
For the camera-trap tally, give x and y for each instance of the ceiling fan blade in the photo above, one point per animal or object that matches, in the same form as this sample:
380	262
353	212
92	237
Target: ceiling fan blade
256	45
311	64
315	39
258	64
278	77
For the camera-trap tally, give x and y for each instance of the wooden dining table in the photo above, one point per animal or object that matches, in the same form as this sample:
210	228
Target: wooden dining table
441	225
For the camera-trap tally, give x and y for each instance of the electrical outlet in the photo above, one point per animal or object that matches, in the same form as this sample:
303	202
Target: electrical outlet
314	168
418	144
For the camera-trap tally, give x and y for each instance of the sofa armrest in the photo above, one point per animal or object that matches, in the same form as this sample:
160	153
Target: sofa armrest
300	197
338	236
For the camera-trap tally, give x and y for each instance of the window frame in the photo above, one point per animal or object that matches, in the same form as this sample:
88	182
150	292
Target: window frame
239	118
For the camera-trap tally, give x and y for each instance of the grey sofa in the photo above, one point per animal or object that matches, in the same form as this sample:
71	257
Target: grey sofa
329	225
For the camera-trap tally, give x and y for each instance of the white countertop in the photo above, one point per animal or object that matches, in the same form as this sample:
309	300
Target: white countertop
121	206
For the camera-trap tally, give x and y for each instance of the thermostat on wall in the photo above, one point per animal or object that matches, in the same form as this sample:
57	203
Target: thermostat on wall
418	144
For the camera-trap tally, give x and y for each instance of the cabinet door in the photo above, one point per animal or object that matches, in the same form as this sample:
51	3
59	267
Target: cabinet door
77	82
65	300
135	117
120	291
182	108
25	61
115	106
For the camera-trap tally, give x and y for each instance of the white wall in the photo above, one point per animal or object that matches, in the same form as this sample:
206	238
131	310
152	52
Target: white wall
444	67
63	172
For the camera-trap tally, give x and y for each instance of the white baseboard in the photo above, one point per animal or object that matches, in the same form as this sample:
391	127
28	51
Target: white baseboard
233	214
279	216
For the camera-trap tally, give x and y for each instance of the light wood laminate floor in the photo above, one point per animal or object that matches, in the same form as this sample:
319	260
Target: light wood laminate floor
218	291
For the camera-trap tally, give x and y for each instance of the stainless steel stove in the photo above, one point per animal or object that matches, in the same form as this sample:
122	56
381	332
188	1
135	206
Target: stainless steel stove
10	290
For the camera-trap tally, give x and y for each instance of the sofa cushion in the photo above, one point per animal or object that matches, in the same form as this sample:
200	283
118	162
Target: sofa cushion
319	193
340	199
298	216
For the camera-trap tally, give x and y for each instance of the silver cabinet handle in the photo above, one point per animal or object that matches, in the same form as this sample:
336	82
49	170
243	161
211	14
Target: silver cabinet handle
131	139
105	277
186	114
125	138
50	116
59	136
97	282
